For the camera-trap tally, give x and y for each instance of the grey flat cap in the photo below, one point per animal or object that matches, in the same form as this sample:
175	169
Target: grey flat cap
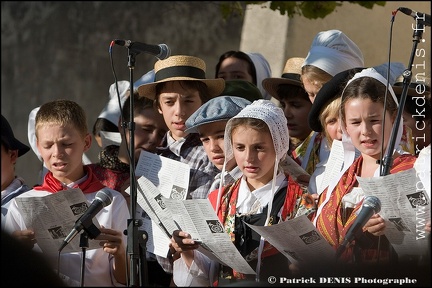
216	109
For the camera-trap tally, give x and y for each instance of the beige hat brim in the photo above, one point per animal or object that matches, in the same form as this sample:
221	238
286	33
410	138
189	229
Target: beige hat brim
215	86
411	91
271	85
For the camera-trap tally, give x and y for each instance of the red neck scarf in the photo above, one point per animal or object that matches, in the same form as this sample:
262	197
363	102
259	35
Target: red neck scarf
53	185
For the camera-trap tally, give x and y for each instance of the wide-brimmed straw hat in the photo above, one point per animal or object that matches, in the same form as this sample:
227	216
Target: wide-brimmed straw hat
290	75
181	68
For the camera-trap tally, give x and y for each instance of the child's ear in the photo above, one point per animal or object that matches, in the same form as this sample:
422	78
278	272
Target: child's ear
14	156
87	141
393	116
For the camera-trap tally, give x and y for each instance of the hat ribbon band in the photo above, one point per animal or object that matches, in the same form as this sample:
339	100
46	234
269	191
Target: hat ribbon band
292	76
179	71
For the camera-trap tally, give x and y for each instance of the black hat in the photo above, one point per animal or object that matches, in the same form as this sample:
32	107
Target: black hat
8	138
328	92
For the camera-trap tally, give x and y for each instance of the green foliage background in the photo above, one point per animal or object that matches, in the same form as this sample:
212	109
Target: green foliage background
310	9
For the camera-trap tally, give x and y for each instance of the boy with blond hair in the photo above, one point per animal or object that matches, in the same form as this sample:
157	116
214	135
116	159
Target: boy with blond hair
62	138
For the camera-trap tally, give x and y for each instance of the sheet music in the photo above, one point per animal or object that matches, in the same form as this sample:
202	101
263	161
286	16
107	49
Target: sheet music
406	208
195	216
169	178
52	217
333	166
293	168
198	218
161	223
298	240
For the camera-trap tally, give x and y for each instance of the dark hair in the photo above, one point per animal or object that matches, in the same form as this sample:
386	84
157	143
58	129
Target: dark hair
290	91
367	87
187	85
140	104
239	55
256	124
102	124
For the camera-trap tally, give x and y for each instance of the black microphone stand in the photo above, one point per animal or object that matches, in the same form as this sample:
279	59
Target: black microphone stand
407	75
84	244
133	246
387	162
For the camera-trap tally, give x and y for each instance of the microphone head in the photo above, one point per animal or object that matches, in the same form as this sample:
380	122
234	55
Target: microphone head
372	202
406	11
105	197
165	52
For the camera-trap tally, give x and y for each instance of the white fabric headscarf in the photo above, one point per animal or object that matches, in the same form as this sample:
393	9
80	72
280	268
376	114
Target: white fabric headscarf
112	110
263	71
333	52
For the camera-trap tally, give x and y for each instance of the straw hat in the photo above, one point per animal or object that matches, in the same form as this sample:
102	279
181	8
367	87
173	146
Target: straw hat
290	76
181	68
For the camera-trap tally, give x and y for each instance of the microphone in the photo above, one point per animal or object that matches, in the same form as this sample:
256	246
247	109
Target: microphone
371	205
161	51
102	199
422	18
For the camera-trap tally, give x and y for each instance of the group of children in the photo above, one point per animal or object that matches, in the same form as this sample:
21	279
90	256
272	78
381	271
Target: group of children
234	139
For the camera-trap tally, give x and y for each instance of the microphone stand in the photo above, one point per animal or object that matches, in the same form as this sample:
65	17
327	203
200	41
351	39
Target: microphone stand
407	75
84	244
133	246
387	162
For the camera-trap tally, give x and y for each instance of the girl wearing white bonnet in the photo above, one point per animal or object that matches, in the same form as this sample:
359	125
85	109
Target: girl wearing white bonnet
362	106
258	139
331	52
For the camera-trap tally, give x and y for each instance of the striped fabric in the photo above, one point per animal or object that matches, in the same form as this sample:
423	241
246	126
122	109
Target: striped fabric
329	222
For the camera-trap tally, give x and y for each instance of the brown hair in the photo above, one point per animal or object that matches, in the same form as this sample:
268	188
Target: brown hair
315	75
256	124
62	112
368	87
187	85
